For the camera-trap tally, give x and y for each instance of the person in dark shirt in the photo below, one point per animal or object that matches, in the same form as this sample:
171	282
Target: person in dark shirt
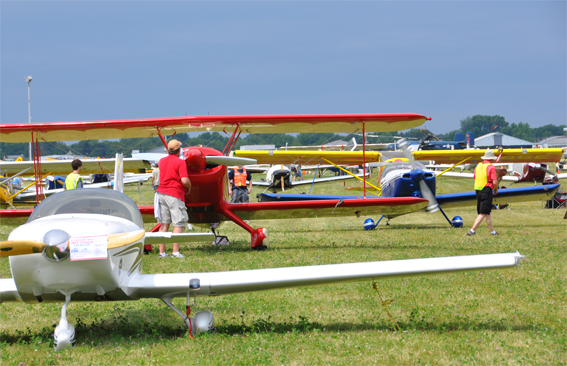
237	179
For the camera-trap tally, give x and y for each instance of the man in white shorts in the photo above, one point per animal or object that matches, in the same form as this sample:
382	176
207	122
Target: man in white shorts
174	185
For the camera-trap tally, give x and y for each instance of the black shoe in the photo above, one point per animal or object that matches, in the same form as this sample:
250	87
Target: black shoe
471	233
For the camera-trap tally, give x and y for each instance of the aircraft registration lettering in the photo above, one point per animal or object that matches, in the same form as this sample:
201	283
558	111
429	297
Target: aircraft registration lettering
88	247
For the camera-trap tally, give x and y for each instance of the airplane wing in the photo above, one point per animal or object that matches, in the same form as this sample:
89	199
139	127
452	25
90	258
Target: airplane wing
63	167
336	207
310	181
507	195
16	216
110	185
508	155
308	157
507	178
303	207
94	130
325	180
233	282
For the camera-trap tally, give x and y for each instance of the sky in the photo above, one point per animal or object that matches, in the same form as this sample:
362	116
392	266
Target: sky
142	59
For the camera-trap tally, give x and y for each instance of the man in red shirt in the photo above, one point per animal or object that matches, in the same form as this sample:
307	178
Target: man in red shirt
485	181
173	186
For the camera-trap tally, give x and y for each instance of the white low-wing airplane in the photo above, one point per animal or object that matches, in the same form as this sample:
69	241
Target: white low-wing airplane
86	245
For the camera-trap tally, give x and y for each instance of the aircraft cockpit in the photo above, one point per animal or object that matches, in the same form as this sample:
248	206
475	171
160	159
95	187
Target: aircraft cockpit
399	165
90	201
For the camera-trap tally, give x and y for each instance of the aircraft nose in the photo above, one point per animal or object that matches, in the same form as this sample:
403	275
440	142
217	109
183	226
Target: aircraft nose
416	175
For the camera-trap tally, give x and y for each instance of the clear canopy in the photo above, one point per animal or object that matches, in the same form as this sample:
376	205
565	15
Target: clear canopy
92	201
398	165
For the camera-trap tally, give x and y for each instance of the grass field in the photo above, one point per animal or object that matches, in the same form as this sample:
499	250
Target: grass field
513	316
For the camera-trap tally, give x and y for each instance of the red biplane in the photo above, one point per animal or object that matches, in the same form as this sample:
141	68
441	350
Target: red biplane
208	201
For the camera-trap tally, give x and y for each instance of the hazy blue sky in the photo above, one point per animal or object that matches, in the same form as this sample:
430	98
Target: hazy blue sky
133	59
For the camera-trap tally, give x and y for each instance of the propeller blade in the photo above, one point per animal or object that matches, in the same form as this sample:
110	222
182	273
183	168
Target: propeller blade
282	180
229	160
20	247
428	195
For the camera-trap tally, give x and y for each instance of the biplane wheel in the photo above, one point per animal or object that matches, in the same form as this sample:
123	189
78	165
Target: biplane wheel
260	248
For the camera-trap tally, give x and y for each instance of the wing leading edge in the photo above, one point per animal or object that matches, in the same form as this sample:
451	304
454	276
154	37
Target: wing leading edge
232	282
94	130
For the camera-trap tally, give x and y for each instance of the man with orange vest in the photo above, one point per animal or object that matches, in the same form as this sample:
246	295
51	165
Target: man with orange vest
485	182
237	184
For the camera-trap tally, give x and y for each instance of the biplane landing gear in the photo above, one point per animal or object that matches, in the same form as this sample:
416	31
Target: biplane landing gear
219	239
64	332
260	239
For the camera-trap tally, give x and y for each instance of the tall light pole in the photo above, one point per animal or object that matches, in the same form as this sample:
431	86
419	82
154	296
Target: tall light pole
28	80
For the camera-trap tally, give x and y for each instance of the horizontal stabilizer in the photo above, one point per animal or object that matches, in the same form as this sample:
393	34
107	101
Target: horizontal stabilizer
162	238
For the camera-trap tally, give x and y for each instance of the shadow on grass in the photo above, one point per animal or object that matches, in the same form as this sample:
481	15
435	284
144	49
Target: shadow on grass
122	328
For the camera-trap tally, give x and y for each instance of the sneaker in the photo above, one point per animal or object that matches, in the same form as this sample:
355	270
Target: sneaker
163	255
471	233
494	233
177	255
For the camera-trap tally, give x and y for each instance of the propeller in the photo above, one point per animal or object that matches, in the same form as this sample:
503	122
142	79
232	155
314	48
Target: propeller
418	177
229	160
22	247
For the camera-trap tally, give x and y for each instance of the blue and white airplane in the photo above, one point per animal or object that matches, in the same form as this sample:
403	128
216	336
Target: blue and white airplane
404	178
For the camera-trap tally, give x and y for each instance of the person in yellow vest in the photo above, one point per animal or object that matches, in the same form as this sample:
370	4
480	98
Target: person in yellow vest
486	186
74	179
237	184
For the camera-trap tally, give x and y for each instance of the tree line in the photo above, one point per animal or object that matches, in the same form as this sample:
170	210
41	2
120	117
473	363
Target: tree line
479	125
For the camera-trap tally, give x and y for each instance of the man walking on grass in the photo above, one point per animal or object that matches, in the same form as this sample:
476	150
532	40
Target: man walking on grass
485	182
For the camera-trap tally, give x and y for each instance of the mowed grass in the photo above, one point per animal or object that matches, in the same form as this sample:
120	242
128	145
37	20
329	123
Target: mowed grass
512	316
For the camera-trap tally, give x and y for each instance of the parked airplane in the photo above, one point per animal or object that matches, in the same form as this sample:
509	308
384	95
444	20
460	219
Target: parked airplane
208	201
87	246
412	179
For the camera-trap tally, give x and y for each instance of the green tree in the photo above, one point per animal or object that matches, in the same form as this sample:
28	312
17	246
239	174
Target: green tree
481	125
521	130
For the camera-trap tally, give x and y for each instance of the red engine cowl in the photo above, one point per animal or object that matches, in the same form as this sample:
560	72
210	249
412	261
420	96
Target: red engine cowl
195	159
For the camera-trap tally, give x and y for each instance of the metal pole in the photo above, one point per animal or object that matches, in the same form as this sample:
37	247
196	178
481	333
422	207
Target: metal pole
29	79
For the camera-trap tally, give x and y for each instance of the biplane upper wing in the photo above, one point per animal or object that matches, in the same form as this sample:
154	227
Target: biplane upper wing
308	157
94	130
505	156
63	167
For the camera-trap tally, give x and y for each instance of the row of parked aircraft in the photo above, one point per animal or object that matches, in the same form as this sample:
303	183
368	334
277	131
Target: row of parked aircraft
86	245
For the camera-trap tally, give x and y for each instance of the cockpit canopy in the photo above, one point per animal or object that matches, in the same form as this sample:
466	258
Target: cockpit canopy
399	165
92	201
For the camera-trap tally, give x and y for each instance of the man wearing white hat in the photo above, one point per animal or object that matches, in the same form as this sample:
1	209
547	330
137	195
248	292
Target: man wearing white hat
485	181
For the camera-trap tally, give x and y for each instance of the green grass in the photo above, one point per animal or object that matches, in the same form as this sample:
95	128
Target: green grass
513	316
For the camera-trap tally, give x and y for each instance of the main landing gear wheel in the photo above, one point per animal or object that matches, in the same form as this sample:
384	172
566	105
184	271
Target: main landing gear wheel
260	239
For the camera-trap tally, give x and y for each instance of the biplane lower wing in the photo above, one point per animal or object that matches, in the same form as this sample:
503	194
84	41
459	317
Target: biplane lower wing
336	207
233	282
507	195
15	216
306	208
524	194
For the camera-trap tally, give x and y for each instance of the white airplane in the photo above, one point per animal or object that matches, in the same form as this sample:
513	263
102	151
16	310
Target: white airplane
278	178
87	245
84	245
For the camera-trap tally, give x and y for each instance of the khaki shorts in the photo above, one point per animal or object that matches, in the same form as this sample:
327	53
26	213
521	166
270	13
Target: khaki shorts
172	210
